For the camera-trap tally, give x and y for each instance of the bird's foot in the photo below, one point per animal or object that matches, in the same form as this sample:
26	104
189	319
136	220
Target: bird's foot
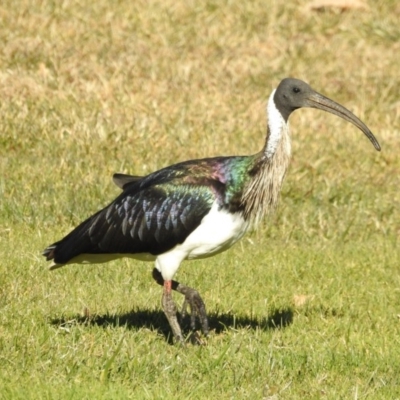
197	308
196	305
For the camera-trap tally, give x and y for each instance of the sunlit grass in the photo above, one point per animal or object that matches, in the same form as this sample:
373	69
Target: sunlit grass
307	306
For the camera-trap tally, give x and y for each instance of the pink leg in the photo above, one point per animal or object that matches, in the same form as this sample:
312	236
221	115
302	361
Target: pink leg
170	311
192	297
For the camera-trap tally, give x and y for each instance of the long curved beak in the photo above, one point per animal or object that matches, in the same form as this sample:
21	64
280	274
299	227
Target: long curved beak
317	100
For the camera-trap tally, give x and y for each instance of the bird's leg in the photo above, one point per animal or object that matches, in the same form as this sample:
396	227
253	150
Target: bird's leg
192	297
170	311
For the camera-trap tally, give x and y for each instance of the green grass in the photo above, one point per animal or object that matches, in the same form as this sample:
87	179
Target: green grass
305	307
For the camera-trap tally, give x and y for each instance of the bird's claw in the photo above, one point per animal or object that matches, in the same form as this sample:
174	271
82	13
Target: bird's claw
197	308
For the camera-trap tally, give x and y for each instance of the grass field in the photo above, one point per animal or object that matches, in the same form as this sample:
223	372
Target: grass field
305	307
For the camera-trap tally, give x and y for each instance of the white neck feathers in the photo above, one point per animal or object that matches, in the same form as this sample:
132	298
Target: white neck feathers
277	127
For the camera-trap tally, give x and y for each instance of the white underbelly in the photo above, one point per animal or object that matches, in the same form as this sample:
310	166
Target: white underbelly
218	231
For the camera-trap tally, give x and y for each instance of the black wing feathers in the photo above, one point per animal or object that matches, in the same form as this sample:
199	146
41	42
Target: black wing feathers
152	220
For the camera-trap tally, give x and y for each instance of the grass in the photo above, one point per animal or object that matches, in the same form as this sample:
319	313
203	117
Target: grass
307	306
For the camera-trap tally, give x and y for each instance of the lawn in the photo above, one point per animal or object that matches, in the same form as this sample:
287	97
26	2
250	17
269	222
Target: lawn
306	306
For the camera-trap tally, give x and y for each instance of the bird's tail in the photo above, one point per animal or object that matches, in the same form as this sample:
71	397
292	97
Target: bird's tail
77	242
49	253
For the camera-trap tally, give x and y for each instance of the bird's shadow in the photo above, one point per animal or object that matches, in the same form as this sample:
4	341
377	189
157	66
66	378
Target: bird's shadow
155	320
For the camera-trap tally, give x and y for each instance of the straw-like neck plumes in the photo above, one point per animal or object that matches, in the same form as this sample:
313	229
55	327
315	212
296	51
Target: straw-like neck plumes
261	194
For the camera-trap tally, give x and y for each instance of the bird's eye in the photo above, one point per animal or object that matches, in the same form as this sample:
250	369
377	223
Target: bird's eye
296	89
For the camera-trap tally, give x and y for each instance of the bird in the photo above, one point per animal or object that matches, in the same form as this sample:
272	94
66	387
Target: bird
195	209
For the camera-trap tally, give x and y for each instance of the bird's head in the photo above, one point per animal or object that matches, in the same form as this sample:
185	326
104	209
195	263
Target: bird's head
292	94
